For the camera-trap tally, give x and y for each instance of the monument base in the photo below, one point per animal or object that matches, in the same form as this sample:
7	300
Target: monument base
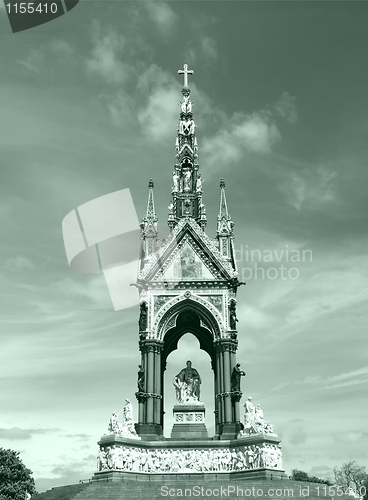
229	430
166	478
189	422
149	432
250	457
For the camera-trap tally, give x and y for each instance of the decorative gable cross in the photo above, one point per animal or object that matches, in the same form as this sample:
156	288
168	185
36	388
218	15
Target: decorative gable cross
185	71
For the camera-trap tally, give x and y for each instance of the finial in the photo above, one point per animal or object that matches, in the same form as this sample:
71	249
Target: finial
150	184
185	71
222	183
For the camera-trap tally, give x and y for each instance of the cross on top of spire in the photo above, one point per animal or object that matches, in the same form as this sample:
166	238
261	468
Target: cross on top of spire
185	71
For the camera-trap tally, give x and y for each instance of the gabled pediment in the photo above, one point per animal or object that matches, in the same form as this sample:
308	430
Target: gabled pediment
185	147
187	254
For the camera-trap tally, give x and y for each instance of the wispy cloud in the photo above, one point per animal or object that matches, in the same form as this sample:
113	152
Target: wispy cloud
62	46
354	377
158	113
34	61
309	188
18	263
93	289
17	434
256	132
162	15
79	436
106	59
350	436
286	108
203	51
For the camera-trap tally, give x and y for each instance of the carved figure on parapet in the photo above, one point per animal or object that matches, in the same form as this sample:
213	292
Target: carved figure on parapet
199	184
101	460
175	188
187	180
186	105
114	427
127	428
143	317
236	375
254	419
232	315
249	416
258	417
187	384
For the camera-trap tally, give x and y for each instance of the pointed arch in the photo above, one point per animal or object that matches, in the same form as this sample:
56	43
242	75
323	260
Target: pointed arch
191	314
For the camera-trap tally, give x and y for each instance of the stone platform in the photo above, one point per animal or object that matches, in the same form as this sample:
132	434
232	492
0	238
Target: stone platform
189	422
256	456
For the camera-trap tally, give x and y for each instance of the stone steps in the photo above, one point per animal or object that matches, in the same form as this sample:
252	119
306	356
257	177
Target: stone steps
201	489
62	492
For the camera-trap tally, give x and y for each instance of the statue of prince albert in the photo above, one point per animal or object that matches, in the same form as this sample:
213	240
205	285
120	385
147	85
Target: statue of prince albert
187	384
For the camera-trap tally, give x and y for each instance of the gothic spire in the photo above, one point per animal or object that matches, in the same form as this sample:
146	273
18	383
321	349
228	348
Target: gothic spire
151	216
225	224
149	225
187	182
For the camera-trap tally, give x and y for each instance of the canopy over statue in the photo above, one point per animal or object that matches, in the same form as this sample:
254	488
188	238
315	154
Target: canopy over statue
187	384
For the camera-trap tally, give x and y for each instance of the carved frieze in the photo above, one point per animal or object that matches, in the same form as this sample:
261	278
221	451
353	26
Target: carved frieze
216	300
159	301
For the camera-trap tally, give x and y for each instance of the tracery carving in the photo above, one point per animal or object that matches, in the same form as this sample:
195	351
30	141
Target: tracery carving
159	301
216	300
164	315
217	256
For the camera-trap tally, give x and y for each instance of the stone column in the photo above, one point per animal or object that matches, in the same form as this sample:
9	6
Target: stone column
141	395
158	386
219	384
227	384
217	392
236	403
235	400
150	383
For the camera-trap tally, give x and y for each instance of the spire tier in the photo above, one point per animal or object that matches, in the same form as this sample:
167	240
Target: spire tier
149	231
187	182
225	224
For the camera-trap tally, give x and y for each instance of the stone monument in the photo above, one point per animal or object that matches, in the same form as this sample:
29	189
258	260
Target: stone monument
189	412
188	283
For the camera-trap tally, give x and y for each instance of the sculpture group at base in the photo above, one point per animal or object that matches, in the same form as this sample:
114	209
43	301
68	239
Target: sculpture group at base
192	460
254	420
126	429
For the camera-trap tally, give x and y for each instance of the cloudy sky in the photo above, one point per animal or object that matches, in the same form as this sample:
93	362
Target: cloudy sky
89	105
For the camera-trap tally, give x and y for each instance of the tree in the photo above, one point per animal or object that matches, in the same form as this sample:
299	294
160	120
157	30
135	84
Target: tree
365	488
16	481
351	475
299	475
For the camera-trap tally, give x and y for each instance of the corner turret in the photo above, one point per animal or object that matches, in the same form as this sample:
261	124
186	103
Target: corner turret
225	225
148	226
